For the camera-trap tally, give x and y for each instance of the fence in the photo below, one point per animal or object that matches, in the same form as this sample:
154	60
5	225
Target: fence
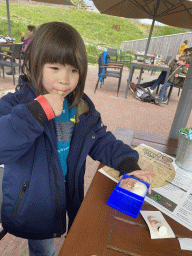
162	45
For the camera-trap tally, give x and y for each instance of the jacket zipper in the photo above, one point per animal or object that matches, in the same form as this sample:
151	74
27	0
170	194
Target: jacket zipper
20	197
59	213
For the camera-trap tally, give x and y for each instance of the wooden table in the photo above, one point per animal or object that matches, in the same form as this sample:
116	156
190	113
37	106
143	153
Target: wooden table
103	231
5	45
137	64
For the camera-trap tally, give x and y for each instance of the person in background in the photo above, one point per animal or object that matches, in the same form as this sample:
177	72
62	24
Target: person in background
183	47
30	32
50	126
177	67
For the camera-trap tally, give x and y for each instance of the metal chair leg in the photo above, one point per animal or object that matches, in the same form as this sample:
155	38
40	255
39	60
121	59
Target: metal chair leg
96	84
118	88
13	76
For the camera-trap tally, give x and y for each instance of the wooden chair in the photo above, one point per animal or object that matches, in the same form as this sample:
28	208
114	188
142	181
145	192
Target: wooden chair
110	70
15	55
125	58
112	53
2	231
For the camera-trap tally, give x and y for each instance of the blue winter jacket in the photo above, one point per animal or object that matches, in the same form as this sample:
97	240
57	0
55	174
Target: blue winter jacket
35	194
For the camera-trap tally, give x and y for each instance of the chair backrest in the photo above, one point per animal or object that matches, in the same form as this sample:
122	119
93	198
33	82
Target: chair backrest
17	50
168	59
104	58
112	52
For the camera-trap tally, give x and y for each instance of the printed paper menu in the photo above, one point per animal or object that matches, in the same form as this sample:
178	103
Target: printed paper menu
171	185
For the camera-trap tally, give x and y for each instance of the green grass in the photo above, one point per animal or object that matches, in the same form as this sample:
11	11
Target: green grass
93	27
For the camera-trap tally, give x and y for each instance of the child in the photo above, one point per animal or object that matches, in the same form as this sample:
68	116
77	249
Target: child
183	46
48	127
176	67
30	32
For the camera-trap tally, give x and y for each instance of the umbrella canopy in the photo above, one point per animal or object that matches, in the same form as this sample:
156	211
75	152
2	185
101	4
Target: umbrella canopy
63	2
176	13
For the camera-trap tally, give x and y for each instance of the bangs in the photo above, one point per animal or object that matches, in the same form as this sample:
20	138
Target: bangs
60	54
60	46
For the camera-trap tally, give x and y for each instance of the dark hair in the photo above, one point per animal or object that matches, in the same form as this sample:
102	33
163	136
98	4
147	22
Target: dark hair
185	58
56	42
185	42
31	28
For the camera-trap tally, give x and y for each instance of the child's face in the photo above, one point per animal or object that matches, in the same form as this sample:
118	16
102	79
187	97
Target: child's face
181	62
59	79
30	33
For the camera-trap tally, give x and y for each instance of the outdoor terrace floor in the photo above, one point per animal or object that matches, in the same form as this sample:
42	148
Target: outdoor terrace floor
127	113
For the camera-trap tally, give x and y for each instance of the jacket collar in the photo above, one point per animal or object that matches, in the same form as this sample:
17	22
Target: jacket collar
25	92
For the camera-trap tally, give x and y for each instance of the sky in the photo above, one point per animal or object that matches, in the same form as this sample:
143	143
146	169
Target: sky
145	21
149	21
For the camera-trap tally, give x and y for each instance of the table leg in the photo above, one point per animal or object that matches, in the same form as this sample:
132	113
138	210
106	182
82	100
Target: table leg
139	79
131	71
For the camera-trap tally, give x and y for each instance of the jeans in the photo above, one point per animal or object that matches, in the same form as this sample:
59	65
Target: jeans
41	247
163	91
153	84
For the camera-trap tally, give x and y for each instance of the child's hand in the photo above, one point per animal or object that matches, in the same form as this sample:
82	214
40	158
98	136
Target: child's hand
56	102
176	75
143	175
23	34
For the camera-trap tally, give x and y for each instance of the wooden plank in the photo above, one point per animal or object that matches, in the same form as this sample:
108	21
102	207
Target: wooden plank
136	240
113	251
178	229
163	148
91	228
155	138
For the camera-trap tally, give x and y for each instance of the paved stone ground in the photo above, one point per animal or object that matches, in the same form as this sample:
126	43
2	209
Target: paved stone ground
127	113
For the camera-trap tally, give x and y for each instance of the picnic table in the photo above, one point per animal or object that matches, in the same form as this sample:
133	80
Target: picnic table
102	230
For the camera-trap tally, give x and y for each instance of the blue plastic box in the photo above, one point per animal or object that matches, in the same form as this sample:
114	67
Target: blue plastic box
126	201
